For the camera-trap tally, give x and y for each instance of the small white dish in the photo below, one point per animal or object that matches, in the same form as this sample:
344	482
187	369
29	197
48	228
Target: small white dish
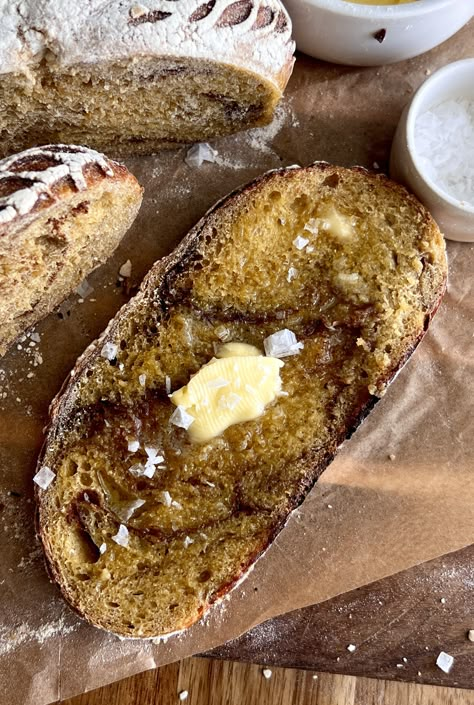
373	35
454	217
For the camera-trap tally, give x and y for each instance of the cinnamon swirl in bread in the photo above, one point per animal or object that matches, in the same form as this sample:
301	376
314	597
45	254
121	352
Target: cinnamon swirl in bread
132	77
153	507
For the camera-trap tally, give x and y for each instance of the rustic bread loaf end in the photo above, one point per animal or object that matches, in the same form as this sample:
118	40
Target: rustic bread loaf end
127	78
63	211
144	528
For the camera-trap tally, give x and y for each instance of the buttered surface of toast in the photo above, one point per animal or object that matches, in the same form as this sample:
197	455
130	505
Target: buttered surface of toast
347	261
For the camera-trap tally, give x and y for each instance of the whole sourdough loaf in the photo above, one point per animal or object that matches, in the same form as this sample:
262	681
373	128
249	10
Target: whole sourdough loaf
63	211
349	262
132	78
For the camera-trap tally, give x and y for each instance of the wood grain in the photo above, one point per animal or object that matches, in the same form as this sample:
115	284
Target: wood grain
211	682
399	625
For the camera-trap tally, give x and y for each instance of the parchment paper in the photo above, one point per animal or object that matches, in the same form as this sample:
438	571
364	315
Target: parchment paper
399	493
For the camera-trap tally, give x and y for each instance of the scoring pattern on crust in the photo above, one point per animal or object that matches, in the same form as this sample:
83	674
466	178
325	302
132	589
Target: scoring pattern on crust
252	34
29	176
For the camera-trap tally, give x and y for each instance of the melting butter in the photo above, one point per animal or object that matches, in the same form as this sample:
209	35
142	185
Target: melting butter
234	387
338	225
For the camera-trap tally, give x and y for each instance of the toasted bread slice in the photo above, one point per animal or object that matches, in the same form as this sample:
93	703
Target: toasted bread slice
348	261
63	211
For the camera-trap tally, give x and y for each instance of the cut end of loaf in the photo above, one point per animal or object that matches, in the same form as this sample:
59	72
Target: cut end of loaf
355	267
132	108
63	210
131	79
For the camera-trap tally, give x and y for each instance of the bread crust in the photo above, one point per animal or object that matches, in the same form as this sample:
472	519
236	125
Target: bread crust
102	47
151	289
34	185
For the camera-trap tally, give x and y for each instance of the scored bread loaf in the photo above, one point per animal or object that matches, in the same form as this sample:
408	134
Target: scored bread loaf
63	211
132	78
348	261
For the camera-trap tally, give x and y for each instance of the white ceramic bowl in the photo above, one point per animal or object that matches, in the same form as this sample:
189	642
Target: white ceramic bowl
345	32
455	218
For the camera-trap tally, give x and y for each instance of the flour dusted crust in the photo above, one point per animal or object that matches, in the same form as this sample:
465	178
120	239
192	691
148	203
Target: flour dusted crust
26	184
252	34
63	210
215	66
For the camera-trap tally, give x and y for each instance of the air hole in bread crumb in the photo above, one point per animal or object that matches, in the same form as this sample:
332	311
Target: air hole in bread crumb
83	577
173	606
70	468
85	479
204	576
123	344
113	604
332	181
300	204
275	196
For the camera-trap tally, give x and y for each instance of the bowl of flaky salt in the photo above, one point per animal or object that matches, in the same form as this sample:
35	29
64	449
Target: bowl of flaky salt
433	148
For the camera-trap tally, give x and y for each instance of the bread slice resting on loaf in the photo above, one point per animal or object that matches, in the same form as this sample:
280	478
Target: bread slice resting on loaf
132	78
63	211
348	261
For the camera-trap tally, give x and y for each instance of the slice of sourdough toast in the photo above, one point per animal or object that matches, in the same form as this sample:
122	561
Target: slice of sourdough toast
347	260
63	211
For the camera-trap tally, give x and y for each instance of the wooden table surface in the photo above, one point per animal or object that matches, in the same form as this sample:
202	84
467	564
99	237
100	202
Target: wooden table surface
211	682
399	625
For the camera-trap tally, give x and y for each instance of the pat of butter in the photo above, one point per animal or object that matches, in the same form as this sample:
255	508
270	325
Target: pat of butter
337	224
232	389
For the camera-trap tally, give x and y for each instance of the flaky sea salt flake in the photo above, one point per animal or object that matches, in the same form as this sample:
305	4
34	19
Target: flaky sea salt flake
312	226
292	272
199	153
181	418
267	673
166	498
300	242
445	661
44	477
153	455
351	648
122	536
83	290
142	380
109	351
283	343
133	446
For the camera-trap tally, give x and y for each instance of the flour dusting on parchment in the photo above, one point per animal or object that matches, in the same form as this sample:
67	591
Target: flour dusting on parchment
12	638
